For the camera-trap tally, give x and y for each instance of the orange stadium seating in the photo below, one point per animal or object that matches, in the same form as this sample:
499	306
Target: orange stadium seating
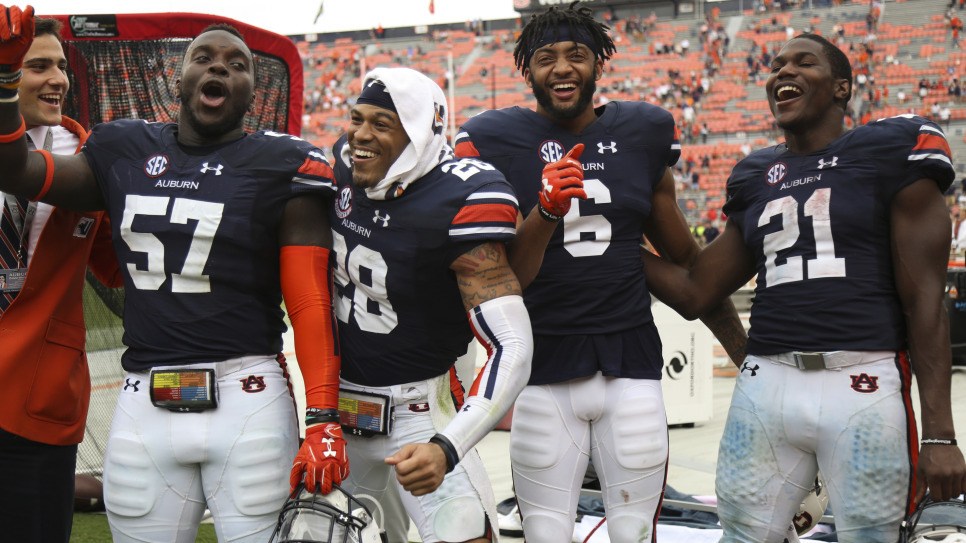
900	55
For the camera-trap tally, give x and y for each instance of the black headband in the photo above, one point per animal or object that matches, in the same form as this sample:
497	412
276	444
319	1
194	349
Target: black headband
561	33
375	93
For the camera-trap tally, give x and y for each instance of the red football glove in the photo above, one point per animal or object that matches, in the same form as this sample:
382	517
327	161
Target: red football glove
563	181
16	35
322	458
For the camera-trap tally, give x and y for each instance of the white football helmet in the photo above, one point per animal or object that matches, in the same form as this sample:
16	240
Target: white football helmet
812	508
935	522
336	517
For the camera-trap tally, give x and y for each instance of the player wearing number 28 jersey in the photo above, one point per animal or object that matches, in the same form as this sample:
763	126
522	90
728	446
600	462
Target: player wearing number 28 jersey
420	264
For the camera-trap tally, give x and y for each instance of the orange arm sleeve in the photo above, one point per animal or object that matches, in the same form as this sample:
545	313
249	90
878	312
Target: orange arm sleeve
103	260
306	286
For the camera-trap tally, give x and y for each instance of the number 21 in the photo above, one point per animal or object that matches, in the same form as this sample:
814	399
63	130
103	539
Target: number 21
825	264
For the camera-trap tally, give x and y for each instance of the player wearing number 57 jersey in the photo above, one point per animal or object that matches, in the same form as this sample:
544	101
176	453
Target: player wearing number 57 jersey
420	264
847	234
591	183
211	227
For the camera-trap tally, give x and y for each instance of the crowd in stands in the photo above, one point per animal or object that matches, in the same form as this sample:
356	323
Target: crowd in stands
711	79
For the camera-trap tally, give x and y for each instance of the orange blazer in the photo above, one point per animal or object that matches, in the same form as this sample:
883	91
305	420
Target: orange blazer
43	368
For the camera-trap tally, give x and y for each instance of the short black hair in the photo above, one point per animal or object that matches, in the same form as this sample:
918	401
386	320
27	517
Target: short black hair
224	27
44	26
574	16
841	67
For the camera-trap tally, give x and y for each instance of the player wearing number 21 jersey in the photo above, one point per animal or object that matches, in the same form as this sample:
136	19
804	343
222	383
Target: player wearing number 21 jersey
419	266
847	236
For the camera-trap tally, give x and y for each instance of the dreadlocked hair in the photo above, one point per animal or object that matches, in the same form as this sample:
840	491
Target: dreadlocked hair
574	16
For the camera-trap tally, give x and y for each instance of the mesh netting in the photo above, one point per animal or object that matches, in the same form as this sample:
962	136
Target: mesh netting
135	79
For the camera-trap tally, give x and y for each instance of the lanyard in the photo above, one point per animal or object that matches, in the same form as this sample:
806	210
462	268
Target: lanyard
23	224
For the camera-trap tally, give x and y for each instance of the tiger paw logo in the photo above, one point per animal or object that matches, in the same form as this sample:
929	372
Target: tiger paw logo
439	118
253	383
865	383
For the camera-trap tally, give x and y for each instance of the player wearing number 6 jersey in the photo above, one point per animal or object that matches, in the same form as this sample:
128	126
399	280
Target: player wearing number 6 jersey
592	183
211	225
848	235
420	264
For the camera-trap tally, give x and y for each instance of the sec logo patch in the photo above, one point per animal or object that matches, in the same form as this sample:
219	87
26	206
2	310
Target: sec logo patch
551	151
776	173
156	165
343	204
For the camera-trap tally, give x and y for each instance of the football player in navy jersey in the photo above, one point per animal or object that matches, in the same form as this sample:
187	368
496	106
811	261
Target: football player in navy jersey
592	182
847	235
420	267
211	226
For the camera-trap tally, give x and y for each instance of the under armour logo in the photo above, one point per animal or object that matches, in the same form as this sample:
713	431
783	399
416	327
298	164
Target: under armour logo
753	370
328	443
380	217
601	147
134	385
831	164
205	168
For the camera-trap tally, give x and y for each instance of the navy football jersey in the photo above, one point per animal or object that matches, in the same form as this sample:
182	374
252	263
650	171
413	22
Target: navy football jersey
401	316
196	232
818	225
591	280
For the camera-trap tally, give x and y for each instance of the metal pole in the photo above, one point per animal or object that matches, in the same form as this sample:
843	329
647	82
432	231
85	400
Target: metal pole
452	97
493	86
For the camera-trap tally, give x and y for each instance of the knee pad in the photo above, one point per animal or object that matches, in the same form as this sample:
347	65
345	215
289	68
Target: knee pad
543	527
629	528
131	482
460	519
640	434
257	473
537	436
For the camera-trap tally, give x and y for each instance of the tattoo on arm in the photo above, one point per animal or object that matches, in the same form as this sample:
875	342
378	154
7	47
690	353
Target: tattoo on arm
724	323
483	273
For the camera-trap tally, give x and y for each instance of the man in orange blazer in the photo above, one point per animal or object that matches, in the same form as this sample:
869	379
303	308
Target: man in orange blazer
43	368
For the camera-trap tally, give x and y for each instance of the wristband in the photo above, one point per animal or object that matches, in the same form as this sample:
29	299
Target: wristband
449	451
938	441
48	176
547	216
16	134
314	415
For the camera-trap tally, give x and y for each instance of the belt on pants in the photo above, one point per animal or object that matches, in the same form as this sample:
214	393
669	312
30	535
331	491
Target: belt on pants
828	360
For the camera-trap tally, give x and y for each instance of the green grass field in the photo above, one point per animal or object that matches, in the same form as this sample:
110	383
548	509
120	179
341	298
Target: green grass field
92	528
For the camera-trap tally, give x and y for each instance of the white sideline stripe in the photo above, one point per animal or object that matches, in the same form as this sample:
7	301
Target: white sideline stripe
481	230
492	196
935	156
